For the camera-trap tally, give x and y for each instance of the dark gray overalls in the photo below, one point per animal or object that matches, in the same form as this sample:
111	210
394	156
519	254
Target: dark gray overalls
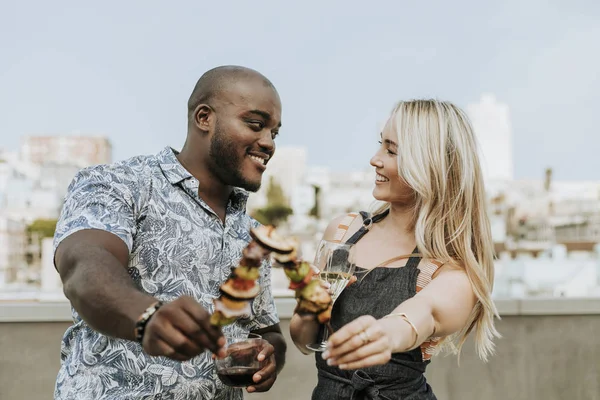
378	294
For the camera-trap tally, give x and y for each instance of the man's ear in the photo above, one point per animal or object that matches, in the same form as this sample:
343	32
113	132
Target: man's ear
204	117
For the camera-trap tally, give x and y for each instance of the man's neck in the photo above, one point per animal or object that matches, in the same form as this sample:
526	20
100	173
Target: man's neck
210	189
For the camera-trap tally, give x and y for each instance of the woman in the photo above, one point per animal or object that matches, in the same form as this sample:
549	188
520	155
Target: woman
424	259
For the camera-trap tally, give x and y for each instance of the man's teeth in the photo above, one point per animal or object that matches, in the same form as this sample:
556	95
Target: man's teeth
259	159
381	178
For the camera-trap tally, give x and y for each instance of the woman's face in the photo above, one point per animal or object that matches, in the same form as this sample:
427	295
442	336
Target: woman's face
389	186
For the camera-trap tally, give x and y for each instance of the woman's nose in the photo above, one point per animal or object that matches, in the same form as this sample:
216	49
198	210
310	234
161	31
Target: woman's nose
376	162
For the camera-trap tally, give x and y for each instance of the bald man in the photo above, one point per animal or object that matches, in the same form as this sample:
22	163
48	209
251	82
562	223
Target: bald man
143	245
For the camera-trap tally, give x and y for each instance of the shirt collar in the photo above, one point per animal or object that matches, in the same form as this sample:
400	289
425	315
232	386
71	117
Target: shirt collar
238	199
176	173
171	167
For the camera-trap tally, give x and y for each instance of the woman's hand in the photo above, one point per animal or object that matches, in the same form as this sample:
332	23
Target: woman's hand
364	342
304	327
352	280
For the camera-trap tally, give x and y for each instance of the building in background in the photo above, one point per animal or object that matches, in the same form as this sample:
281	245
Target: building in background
33	183
81	151
348	192
315	194
546	234
491	122
287	169
13	244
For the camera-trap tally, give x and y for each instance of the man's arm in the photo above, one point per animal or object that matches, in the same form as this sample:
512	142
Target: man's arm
92	265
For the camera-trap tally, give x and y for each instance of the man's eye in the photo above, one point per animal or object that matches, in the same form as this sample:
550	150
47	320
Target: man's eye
258	125
274	134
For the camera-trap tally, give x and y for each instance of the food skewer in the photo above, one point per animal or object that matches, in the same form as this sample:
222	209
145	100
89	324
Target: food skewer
241	286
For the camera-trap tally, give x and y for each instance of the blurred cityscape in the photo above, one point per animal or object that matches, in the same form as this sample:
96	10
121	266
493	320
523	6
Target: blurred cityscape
546	232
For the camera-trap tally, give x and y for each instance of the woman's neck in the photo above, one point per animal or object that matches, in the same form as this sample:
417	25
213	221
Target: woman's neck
395	231
399	219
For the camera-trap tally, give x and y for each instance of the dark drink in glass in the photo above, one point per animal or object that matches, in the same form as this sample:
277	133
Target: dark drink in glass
240	364
237	376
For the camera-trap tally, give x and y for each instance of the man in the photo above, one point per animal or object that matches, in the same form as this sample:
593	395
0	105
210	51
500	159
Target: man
143	245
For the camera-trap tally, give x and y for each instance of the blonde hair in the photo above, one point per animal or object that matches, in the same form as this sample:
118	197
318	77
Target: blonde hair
438	158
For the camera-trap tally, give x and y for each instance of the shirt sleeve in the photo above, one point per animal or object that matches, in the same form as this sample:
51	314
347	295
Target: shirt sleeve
99	198
264	312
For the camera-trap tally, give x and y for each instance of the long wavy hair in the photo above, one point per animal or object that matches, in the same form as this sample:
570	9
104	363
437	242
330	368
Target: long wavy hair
438	158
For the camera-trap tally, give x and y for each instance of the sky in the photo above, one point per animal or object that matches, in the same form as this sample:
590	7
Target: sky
126	69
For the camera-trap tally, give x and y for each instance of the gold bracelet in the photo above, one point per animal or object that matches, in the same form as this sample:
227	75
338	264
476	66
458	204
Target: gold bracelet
414	328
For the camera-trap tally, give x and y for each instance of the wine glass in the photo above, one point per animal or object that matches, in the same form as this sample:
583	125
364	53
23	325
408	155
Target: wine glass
336	263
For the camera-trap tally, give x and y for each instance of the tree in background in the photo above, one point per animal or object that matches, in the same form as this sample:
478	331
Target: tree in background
42	228
316	211
36	231
277	209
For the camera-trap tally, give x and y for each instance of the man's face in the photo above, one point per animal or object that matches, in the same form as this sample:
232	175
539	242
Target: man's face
248	118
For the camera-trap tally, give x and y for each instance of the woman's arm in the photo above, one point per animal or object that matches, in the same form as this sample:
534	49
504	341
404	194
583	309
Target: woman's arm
440	309
304	330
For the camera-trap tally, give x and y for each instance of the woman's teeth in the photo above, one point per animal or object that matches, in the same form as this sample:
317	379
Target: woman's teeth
381	178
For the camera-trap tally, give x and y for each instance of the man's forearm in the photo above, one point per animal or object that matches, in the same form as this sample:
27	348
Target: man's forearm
278	341
102	293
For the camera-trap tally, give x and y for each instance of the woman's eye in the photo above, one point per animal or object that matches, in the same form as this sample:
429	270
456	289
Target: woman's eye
388	151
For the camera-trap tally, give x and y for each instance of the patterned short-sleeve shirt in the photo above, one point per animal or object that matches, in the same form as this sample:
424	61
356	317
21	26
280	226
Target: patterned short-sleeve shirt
178	246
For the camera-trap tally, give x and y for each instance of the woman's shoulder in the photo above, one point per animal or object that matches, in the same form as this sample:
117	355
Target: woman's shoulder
341	225
435	267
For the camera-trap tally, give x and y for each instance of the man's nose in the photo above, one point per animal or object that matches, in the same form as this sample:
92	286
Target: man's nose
266	142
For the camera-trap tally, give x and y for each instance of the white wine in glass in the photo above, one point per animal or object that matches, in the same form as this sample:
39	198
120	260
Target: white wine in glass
336	263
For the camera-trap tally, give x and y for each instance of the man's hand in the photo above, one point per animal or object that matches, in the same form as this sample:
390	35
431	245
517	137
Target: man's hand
265	378
181	330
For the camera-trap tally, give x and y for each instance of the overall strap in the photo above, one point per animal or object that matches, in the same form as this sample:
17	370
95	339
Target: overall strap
367	224
415	259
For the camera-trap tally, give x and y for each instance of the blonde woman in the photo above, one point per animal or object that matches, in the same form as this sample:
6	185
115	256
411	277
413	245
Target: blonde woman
425	256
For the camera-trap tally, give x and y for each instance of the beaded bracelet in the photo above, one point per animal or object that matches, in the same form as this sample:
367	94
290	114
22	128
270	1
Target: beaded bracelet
140	325
414	328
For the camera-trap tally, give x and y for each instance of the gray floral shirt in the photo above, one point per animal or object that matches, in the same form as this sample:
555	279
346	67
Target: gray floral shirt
178	246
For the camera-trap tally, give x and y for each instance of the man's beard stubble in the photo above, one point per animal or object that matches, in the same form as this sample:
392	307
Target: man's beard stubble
226	163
